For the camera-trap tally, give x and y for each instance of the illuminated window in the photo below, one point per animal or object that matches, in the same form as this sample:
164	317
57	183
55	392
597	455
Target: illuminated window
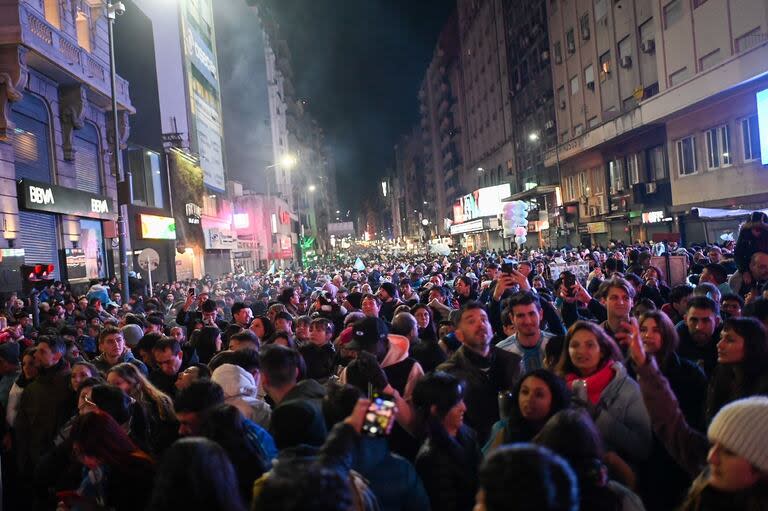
83	25
52	15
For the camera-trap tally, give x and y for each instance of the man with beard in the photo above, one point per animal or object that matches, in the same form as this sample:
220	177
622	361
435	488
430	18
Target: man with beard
486	369
700	333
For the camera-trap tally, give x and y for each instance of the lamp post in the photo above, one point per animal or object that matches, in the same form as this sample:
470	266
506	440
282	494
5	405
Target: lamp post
123	178
535	137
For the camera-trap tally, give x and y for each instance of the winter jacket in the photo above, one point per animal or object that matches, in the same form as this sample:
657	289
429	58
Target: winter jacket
241	391
687	446
319	359
705	356
621	417
448	468
484	377
103	366
428	353
747	244
46	404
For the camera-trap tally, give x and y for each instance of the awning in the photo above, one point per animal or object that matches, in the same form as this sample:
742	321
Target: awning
717	213
526	194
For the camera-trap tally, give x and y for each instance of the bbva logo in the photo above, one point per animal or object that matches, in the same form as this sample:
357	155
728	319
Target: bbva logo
39	195
99	206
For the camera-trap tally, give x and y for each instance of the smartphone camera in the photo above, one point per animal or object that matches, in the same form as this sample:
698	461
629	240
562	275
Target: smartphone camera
508	268
380	415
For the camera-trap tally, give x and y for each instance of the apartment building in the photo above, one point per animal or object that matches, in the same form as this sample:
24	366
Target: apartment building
654	99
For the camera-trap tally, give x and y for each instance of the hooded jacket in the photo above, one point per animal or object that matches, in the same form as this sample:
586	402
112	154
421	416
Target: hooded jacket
241	391
397	358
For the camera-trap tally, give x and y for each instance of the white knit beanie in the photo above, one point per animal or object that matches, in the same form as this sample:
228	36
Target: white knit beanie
742	427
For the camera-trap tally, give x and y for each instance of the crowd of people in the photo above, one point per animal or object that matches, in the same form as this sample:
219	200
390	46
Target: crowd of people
519	382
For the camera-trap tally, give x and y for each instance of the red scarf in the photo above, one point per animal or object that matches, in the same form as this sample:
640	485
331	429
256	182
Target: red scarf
596	383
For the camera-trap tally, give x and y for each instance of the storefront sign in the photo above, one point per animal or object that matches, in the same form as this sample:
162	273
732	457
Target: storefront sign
37	196
480	203
155	227
220	239
597	227
241	220
472	226
654	217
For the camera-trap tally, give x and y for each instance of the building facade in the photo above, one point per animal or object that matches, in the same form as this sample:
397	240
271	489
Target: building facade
656	114
58	184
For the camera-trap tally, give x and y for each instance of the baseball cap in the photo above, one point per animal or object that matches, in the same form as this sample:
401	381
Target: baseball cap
367	332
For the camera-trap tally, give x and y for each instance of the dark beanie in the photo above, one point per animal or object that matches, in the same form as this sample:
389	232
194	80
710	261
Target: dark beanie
297	422
355	299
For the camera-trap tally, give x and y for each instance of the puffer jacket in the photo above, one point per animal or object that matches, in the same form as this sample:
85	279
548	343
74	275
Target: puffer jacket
241	391
621	417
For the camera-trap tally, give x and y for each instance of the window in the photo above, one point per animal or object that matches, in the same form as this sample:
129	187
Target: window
601	9
625	50
574	85
710	59
597	175
679	76
83	27
686	156
718	147
51	13
633	169
583	186
592	122
578	130
616	174
749	40
584	26
570	41
657	163
558	50
569	188
561	97
750	136
605	66
673	12
589	77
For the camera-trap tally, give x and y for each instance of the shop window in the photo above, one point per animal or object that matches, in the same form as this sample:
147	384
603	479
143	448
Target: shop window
718	147
686	156
91	241
750	136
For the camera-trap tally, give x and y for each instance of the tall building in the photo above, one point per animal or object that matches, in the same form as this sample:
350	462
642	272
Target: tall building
190	108
533	109
59	190
656	114
487	122
412	203
441	107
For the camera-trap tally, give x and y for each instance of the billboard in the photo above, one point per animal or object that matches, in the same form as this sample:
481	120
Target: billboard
341	228
762	121
480	203
155	227
203	82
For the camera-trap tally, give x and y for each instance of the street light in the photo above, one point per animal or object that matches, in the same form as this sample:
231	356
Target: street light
534	136
312	188
123	178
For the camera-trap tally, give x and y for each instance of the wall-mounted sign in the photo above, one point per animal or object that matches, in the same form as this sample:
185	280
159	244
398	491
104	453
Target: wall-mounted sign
193	212
155	227
37	196
654	217
480	203
220	239
471	226
241	220
762	121
597	227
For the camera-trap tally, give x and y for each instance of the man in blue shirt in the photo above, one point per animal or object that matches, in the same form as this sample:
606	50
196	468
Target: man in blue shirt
529	340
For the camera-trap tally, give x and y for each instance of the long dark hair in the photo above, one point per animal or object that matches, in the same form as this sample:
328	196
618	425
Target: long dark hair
573	435
669	336
428	333
196	475
519	429
609	350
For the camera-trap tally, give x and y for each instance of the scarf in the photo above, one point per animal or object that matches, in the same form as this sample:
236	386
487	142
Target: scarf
596	383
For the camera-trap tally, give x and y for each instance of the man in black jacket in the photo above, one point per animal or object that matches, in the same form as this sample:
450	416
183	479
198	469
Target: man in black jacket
487	370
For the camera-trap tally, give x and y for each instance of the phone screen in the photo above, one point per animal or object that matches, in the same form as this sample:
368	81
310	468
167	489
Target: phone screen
191	291
380	415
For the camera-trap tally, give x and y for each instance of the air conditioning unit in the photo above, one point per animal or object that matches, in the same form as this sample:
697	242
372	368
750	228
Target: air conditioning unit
626	61
648	46
549	125
562	104
650	188
591	85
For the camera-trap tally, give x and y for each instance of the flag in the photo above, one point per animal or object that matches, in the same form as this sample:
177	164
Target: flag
359	266
271	268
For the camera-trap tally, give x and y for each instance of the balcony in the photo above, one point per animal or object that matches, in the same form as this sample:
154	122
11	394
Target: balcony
58	55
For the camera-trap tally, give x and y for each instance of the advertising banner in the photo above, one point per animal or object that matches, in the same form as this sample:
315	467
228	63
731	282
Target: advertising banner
480	203
155	227
220	239
187	185
48	198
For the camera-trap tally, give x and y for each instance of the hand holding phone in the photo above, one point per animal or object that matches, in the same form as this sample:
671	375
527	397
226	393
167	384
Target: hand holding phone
380	415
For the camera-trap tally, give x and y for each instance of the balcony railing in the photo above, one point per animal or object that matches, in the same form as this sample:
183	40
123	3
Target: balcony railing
63	49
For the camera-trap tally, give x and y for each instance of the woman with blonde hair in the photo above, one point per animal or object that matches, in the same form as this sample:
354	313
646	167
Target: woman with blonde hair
157	419
592	367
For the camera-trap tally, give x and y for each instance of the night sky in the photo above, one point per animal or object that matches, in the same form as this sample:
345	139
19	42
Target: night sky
359	63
